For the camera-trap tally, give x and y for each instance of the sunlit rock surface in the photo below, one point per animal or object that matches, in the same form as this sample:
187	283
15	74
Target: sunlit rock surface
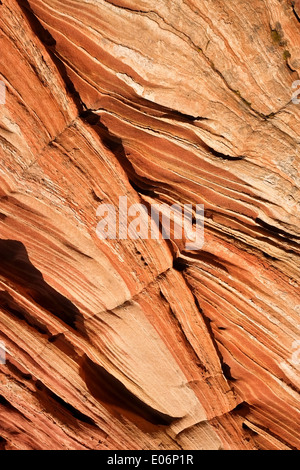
143	344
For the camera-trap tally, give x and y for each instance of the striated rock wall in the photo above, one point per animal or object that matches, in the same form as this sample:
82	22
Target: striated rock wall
143	344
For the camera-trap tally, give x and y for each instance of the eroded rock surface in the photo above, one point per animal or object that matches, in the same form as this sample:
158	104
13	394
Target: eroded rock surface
143	344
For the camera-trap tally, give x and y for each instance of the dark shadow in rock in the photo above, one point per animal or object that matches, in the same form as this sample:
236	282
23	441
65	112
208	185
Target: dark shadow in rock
118	400
10	305
49	42
60	409
16	267
115	145
3	443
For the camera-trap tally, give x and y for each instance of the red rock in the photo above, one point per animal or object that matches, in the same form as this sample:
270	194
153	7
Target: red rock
143	344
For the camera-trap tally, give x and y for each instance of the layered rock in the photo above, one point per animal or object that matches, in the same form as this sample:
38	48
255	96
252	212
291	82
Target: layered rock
143	344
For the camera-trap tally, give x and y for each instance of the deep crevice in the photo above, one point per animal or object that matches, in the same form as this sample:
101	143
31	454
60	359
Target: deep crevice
50	43
17	268
295	12
113	394
49	401
223	156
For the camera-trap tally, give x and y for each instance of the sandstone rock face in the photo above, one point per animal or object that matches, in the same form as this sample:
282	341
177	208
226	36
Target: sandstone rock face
144	344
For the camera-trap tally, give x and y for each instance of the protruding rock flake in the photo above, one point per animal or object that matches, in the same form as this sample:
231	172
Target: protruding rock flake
128	127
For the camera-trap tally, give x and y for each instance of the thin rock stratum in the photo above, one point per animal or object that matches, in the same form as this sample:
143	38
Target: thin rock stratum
143	344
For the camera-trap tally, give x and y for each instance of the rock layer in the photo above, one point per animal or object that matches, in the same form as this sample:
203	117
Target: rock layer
143	344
